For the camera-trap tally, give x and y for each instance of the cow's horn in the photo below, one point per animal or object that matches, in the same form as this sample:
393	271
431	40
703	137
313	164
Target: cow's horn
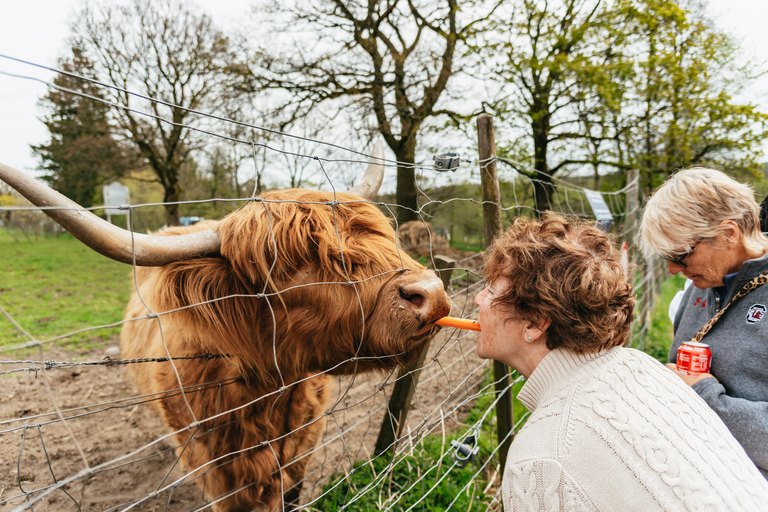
105	238
374	175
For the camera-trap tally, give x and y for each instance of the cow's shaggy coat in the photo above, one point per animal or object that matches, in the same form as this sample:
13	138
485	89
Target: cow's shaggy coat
303	288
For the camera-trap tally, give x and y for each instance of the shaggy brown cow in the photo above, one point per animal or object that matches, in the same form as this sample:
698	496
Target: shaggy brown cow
293	287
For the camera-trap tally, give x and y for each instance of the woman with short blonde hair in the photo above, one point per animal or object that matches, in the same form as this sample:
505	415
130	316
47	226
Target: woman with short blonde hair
693	204
707	226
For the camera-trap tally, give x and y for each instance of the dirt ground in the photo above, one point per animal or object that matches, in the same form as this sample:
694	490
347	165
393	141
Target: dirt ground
119	434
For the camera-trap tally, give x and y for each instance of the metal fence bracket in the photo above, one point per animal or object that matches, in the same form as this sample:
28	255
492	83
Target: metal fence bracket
466	451
447	162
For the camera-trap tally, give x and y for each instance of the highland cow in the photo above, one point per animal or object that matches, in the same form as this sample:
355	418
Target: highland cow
290	289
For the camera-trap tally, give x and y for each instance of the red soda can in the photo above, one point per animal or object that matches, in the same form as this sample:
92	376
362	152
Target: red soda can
693	358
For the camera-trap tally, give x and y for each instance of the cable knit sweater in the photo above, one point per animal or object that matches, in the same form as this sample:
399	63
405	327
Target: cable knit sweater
618	431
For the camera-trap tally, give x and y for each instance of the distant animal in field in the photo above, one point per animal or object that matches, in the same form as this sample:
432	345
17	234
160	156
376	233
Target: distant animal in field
290	289
420	234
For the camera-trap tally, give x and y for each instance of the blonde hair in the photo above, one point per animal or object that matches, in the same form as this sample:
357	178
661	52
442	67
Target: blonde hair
691	205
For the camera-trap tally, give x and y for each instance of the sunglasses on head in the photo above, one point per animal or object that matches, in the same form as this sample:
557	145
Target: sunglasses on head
678	260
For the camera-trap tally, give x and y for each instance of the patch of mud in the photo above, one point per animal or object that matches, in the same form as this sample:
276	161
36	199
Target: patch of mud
118	436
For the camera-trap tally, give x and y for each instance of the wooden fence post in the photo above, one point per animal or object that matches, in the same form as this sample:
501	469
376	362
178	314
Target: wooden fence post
444	268
489	178
631	211
396	414
393	424
402	393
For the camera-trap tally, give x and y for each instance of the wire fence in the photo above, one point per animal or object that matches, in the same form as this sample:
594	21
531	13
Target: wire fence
219	428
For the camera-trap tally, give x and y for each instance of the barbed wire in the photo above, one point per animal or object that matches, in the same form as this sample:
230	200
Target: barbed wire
107	361
516	165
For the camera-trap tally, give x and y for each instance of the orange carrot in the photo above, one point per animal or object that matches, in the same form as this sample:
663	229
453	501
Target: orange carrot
461	323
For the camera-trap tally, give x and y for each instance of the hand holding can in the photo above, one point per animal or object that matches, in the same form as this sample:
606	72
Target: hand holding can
694	358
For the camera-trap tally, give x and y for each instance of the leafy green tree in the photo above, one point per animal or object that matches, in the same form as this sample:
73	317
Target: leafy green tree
613	85
679	109
82	153
550	52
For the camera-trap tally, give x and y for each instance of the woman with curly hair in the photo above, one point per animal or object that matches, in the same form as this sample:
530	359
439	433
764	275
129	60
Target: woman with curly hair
610	427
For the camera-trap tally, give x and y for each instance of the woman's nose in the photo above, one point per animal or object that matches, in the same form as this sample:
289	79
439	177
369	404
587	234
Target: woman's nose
478	297
674	268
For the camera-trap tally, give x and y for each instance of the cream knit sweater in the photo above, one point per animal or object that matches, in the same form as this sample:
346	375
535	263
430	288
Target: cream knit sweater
619	431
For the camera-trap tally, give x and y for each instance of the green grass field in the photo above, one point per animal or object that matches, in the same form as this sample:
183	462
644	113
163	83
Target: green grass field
659	337
55	286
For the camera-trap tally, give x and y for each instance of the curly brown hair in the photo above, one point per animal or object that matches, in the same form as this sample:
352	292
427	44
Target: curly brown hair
567	272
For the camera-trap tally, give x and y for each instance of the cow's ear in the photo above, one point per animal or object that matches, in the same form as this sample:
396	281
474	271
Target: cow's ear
190	281
205	299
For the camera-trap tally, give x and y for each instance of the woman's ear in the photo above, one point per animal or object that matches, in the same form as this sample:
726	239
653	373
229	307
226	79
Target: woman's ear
731	232
534	331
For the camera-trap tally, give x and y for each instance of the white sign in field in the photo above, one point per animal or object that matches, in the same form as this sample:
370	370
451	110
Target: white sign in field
599	208
115	194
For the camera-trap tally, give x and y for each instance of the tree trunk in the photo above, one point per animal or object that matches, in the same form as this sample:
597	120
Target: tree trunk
171	199
543	190
542	181
406	195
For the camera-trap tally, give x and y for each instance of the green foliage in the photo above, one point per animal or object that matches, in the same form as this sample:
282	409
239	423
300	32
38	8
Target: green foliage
623	84
373	485
556	64
660	333
679	108
81	154
55	285
467	247
462	217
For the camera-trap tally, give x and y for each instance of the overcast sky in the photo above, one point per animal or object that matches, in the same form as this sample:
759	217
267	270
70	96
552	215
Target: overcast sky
36	30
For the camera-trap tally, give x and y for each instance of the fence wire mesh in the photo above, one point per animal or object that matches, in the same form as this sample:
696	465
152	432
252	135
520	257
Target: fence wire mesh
75	434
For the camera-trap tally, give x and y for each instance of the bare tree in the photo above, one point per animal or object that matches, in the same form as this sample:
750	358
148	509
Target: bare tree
166	51
390	60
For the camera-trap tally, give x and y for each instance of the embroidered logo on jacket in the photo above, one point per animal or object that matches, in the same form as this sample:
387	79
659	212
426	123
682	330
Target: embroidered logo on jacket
699	302
755	313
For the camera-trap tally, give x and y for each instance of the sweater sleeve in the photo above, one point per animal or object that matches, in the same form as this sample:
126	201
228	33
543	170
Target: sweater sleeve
747	420
542	486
